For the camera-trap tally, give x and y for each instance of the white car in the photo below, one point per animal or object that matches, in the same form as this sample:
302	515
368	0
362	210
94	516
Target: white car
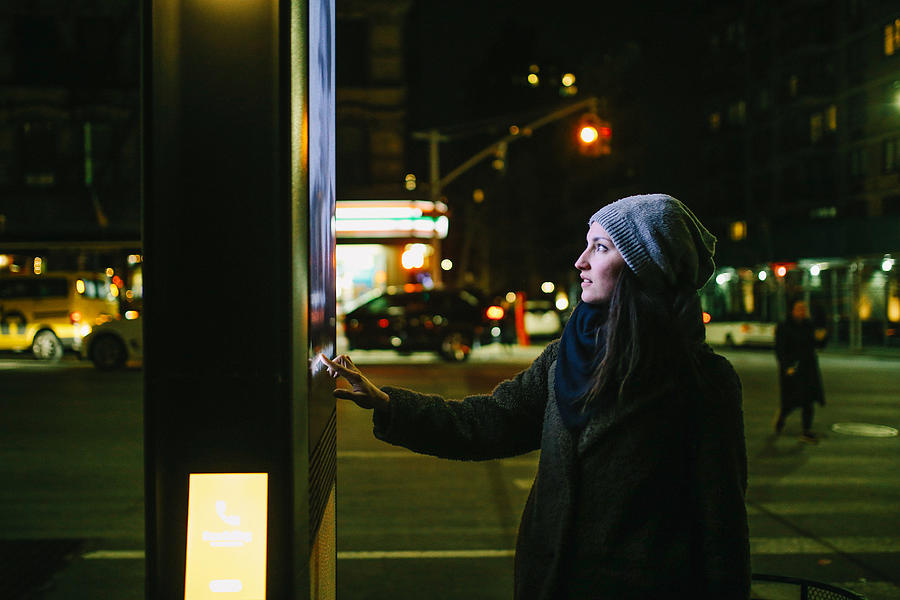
114	344
542	320
741	333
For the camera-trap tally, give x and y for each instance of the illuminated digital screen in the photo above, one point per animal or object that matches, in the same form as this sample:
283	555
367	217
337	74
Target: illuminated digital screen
226	536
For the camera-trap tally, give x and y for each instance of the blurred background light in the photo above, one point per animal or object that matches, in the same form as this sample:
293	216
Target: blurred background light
413	257
588	134
562	302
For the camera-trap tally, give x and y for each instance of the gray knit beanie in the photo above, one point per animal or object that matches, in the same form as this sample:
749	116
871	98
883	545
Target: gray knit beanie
661	240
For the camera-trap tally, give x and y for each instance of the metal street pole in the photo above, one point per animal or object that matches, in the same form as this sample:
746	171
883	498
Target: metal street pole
434	192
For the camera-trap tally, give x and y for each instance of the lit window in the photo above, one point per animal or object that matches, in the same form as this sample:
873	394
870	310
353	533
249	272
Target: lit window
737	230
892	38
831	118
815	127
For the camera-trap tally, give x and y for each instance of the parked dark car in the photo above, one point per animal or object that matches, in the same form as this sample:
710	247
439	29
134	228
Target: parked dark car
445	321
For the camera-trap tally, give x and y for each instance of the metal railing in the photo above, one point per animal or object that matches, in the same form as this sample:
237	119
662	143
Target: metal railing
779	587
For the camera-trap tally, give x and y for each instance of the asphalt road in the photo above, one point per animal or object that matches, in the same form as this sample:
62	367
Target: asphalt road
409	526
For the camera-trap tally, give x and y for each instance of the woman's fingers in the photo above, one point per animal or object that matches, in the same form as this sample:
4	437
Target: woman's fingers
345	394
337	367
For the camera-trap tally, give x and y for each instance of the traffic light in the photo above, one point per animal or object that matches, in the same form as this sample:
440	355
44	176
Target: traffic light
594	136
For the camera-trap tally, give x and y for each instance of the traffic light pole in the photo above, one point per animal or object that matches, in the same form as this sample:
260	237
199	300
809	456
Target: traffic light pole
438	183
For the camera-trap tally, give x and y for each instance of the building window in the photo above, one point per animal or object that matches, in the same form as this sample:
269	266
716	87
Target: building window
890	205
37	49
856	60
892	38
858	159
7	154
353	156
39	154
815	127
765	98
352	49
737	112
892	155
856	114
831	118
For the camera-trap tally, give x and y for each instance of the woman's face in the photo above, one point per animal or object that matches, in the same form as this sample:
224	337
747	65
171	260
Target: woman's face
799	311
600	265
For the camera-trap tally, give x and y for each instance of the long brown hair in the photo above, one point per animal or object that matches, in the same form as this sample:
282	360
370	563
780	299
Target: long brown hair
652	338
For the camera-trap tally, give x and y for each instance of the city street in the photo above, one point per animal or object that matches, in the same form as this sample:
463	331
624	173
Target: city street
411	527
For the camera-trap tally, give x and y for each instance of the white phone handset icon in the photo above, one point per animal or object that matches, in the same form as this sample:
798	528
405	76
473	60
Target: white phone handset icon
233	520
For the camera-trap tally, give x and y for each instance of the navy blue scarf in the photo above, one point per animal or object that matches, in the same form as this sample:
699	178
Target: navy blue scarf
581	348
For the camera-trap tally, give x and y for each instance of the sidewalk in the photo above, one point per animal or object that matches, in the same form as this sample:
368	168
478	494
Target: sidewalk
886	352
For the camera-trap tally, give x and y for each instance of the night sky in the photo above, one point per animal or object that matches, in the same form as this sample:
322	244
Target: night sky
467	64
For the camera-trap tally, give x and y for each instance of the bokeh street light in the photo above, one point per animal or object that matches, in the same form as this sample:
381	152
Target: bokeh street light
588	134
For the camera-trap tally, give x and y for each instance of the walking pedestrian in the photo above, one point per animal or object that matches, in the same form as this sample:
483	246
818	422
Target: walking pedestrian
799	378
640	484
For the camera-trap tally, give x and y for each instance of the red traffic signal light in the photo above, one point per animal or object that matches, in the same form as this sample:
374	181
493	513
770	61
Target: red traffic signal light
594	136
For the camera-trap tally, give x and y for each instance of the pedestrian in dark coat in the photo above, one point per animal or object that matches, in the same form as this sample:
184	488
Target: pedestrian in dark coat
640	485
799	378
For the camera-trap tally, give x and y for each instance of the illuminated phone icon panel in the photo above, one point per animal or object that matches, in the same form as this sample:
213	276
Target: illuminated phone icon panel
226	536
230	519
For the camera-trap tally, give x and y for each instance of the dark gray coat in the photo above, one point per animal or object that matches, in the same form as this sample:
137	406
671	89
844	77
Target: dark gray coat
647	502
795	346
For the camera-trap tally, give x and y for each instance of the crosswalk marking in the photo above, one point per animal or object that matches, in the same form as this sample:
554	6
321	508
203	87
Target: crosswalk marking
827	545
370	454
831	507
394	554
115	555
378	454
819	480
758	546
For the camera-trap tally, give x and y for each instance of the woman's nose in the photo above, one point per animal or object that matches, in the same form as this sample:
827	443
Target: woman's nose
580	263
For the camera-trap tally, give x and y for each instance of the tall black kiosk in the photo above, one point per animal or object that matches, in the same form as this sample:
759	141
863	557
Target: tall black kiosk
238	209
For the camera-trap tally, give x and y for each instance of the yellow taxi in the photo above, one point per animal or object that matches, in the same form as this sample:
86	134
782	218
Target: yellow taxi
53	312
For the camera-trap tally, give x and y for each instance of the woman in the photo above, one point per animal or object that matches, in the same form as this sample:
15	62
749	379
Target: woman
640	485
799	378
